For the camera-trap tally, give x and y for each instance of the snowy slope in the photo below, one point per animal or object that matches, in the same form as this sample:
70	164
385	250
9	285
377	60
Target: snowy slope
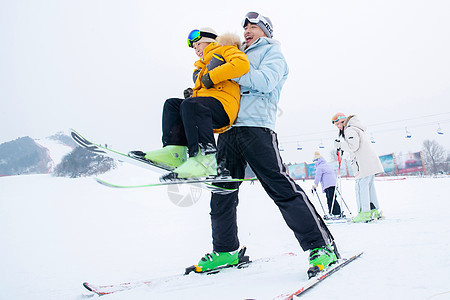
55	150
56	233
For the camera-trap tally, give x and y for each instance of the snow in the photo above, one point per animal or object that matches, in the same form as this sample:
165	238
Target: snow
56	233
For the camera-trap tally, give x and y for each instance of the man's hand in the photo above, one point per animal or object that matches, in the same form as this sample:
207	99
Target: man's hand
188	93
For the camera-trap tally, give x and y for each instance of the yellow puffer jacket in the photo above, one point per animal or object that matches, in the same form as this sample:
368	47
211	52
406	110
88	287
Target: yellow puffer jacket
223	61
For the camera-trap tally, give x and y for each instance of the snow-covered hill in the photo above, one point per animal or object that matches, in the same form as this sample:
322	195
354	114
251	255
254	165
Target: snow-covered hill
56	233
56	150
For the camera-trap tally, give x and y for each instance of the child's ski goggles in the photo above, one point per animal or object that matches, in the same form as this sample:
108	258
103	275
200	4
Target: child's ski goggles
195	35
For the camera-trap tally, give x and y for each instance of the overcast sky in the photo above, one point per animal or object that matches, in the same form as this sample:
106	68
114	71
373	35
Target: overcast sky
105	67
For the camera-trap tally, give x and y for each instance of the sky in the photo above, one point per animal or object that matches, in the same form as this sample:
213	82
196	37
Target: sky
105	68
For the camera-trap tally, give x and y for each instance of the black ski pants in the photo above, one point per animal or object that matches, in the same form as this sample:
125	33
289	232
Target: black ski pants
330	193
259	148
190	122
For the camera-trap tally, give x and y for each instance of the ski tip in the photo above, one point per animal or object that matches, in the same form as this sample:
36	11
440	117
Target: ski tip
86	285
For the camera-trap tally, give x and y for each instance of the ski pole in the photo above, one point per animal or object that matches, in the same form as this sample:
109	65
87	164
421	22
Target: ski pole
343	201
314	190
339	153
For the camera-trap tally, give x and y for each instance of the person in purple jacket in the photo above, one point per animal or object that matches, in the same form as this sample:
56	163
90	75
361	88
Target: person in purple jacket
327	177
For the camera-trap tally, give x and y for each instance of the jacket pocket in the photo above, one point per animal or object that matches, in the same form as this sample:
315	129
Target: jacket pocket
219	86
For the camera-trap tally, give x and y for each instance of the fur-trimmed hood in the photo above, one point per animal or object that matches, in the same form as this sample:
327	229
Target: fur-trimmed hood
352	120
229	39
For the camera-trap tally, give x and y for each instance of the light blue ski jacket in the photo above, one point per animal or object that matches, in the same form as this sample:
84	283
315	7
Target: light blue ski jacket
261	86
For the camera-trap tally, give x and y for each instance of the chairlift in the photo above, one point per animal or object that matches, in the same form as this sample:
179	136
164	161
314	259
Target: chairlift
408	134
299	146
321	146
281	148
439	130
372	140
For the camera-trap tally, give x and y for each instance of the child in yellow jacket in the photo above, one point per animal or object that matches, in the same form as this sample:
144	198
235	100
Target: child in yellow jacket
211	107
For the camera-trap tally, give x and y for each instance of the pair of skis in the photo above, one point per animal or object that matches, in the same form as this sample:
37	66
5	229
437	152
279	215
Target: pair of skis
303	287
206	183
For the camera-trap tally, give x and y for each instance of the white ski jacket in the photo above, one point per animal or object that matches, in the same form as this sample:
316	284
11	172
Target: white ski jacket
364	160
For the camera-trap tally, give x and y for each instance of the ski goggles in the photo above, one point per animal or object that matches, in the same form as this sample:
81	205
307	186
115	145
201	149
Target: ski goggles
195	35
336	119
255	18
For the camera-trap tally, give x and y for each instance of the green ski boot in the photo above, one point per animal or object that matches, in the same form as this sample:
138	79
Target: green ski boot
363	217
376	214
198	166
216	260
171	156
320	258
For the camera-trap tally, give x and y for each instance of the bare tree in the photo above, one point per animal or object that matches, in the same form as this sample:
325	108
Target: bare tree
435	157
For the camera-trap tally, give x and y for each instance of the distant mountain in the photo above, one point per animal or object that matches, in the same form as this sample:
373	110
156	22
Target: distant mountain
57	154
23	156
81	162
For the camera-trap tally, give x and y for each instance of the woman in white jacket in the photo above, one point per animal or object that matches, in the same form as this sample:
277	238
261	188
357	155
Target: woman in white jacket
365	163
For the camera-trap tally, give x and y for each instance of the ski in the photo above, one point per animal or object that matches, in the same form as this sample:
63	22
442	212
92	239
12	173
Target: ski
208	181
331	219
337	221
190	271
103	150
313	281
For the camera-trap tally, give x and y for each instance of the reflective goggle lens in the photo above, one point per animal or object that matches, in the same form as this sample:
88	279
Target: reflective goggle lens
252	17
193	37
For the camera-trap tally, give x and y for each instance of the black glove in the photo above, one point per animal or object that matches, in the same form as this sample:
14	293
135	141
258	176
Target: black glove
188	93
337	145
207	82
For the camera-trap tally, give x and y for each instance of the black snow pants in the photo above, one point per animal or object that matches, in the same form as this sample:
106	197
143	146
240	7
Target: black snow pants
259	148
330	193
190	122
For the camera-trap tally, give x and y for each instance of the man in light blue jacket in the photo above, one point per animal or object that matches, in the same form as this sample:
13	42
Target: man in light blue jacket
252	141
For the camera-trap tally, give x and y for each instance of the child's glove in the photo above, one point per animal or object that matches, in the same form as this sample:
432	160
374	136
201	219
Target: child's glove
188	93
207	82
